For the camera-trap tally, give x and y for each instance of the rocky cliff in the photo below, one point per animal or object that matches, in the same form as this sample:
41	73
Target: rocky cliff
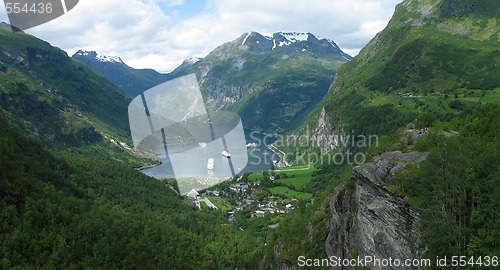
327	136
367	220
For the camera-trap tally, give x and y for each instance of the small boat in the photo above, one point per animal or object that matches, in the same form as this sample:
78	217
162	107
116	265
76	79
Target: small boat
210	164
226	154
251	145
202	144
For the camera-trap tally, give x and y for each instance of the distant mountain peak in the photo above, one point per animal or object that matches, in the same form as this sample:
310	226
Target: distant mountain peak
132	81
193	60
299	41
295	36
99	57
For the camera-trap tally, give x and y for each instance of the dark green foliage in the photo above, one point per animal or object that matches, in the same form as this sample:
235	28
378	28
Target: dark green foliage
398	71
60	102
453	52
423	62
358	119
457	188
67	211
303	231
285	101
457	104
378	120
425	119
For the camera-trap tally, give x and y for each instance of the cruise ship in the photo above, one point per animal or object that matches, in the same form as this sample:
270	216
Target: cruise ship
210	164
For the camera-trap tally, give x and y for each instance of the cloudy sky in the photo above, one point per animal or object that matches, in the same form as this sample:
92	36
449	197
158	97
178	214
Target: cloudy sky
160	34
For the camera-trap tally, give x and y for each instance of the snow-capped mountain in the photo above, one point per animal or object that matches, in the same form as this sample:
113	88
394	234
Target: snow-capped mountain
132	81
300	42
98	57
273	81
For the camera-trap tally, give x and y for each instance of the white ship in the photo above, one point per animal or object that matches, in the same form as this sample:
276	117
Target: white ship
225	153
251	145
210	164
202	144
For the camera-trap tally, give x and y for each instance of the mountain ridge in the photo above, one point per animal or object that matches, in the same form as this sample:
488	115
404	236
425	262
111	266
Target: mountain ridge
425	60
247	75
61	102
132	81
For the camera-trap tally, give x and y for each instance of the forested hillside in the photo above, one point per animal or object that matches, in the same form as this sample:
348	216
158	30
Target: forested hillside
433	56
68	198
60	102
434	71
68	211
457	187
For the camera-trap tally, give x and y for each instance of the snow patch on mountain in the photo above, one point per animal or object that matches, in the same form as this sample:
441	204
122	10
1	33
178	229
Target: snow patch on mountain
193	60
83	53
284	43
111	59
294	36
333	44
268	36
100	57
245	39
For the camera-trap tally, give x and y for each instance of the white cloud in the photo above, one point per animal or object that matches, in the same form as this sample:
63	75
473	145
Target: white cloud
140	32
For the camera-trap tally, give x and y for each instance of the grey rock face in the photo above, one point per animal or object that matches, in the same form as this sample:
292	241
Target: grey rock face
366	220
326	136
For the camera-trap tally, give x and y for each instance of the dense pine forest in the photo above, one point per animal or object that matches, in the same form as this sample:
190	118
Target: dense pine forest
61	211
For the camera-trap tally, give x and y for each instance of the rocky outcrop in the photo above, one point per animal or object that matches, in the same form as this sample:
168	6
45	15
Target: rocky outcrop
326	136
367	220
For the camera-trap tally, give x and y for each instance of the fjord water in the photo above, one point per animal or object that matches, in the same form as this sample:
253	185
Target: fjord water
260	159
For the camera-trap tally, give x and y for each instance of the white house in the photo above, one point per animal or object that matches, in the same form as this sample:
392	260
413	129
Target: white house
192	195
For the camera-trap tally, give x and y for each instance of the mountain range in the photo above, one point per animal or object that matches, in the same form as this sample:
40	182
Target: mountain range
248	76
132	81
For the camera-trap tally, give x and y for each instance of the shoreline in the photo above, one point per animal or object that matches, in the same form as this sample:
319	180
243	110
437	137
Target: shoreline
149	167
280	153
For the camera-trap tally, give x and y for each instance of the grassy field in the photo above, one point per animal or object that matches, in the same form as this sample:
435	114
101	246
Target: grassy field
298	167
385	99
439	103
298	176
255	176
491	97
204	205
221	203
290	193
